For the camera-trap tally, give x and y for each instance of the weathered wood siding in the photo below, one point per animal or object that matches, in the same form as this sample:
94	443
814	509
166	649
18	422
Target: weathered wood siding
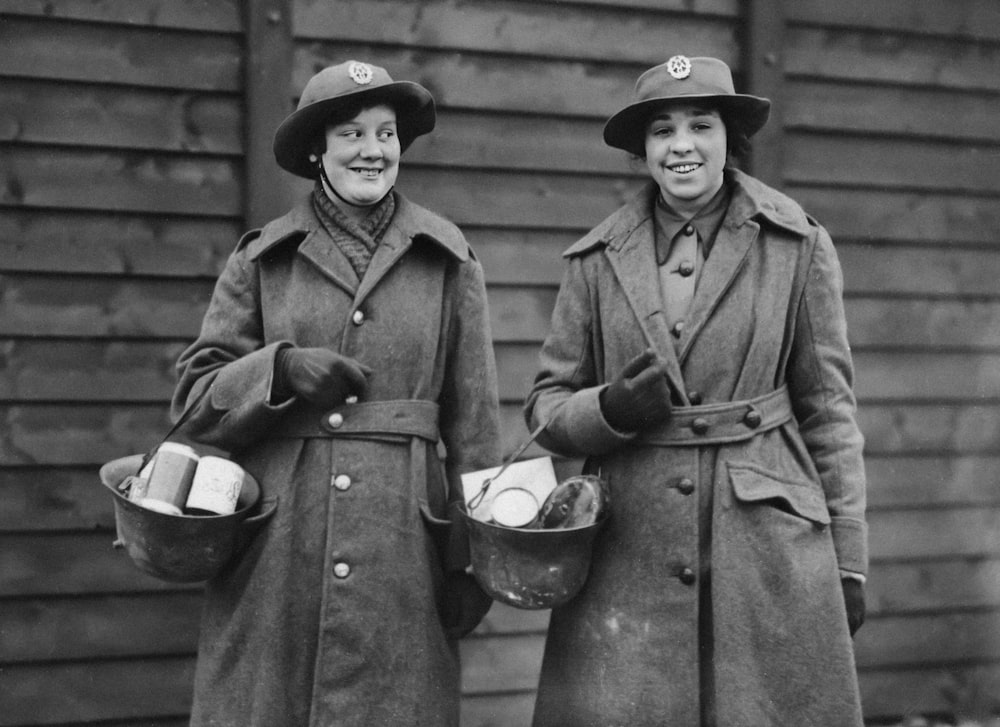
126	132
890	136
121	192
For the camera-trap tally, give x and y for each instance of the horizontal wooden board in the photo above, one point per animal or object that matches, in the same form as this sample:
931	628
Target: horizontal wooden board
70	564
920	481
878	109
471	141
961	18
516	28
915	535
933	587
36	47
943	429
927	376
497	710
891	163
122	181
919	217
48	241
922	324
101	627
960	638
510	663
919	270
224	16
934	689
871	55
146	690
42	112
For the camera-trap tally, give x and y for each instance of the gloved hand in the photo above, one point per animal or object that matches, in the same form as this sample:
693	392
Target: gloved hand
640	396
318	375
854	600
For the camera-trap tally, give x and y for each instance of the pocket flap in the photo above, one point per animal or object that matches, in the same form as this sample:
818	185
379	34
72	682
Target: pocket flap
802	498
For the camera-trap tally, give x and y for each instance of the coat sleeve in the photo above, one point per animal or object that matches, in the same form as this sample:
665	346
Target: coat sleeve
567	388
469	404
231	357
820	380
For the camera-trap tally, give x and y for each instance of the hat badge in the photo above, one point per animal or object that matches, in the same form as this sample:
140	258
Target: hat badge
679	67
360	73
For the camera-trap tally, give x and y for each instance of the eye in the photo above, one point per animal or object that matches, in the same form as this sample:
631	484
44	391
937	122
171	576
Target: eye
386	134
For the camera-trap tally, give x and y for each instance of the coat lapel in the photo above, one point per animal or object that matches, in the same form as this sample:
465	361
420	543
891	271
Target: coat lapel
633	260
728	256
320	249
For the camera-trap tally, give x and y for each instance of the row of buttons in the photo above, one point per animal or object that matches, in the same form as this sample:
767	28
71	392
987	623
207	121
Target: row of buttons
341	482
753	419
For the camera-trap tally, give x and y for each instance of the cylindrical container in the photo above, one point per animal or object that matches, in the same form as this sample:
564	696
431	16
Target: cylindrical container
216	486
515	507
170	479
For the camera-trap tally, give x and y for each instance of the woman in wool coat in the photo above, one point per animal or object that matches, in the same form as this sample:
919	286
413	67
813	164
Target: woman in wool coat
698	359
344	342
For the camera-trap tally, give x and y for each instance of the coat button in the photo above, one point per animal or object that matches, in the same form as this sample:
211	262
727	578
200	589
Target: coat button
694	397
687	576
358	318
341	570
699	425
685	486
336	420
688	230
677	329
752	419
686	269
342	482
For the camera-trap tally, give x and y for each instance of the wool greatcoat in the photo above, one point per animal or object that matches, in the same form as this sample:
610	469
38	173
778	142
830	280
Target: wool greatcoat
337	613
714	595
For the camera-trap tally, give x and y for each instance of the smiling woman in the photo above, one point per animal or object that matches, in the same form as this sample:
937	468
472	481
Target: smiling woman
698	360
344	341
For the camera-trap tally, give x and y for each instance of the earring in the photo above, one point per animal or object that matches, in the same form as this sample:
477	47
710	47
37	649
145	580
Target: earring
313	158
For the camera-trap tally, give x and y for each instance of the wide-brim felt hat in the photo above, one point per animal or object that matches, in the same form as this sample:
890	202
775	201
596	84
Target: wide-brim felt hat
681	78
336	87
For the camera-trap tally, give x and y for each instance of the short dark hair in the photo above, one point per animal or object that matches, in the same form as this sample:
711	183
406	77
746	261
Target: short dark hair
341	115
737	139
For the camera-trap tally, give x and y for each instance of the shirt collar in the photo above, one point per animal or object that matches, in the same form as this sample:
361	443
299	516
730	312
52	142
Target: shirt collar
706	220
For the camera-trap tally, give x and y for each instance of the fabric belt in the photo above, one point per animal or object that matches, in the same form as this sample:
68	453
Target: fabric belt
407	417
732	421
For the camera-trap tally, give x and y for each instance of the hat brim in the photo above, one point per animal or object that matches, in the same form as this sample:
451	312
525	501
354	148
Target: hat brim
627	129
295	137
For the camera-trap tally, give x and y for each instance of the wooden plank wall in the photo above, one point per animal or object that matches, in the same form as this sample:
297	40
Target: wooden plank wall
121	161
891	138
121	192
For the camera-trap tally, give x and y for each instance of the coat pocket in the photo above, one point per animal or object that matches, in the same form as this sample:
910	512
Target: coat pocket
804	499
462	604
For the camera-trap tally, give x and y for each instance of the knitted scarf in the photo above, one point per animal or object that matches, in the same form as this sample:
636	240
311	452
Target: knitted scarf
357	240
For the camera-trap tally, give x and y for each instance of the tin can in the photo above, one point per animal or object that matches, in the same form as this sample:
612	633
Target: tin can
216	486
170	478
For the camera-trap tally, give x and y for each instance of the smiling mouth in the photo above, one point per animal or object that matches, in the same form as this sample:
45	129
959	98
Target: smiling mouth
684	168
366	173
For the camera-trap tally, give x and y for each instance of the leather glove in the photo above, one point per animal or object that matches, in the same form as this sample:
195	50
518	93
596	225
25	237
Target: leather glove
318	375
640	396
854	600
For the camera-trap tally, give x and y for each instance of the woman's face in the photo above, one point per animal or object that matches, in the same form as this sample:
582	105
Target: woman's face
685	155
362	156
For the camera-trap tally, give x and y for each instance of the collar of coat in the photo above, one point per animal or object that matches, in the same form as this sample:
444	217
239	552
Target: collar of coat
413	221
752	199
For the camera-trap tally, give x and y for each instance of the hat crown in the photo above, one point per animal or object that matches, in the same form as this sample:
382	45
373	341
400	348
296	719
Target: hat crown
683	76
343	79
